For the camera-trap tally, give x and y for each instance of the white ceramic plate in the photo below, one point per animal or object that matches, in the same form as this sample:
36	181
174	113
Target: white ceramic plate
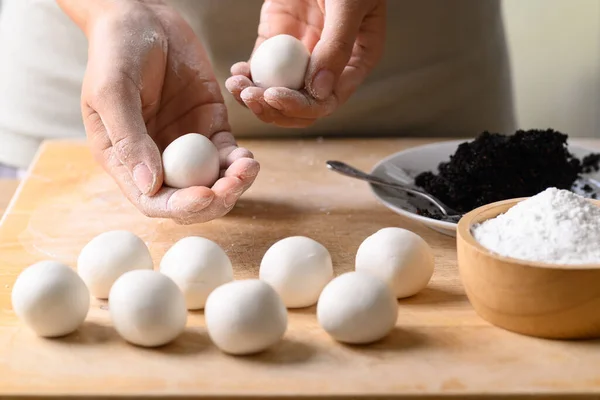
427	158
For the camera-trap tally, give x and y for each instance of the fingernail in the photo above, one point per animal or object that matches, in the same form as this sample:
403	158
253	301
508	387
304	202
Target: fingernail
251	102
250	172
272	97
230	199
276	105
322	84
143	178
255	107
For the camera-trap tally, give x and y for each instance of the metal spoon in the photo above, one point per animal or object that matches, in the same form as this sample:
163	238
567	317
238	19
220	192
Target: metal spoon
347	170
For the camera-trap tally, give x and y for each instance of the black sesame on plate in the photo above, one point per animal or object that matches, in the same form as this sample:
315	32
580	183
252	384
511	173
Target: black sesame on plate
496	167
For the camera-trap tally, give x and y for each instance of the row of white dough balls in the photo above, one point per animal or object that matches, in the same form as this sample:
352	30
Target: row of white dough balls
148	308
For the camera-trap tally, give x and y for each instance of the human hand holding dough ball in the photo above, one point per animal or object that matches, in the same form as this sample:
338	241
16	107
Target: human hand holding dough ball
280	61
147	308
398	256
198	266
245	317
51	299
357	308
298	268
108	256
345	40
190	160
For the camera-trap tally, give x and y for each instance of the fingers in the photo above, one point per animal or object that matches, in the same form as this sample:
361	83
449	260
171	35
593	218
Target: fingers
299	104
236	85
240	80
254	98
350	45
227	190
194	204
330	56
239	170
280	106
228	149
241	68
119	111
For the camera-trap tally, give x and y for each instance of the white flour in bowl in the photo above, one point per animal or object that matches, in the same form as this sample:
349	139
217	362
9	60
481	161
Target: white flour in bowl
554	226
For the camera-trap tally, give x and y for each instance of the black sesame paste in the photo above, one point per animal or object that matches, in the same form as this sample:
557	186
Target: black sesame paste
496	167
590	163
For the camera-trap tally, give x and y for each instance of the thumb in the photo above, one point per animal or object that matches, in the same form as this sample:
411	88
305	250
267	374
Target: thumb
119	108
333	51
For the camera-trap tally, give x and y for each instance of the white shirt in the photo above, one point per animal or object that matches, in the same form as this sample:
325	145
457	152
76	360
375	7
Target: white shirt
444	73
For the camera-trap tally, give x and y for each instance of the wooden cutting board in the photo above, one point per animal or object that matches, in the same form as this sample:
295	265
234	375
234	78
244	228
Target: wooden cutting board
7	188
439	347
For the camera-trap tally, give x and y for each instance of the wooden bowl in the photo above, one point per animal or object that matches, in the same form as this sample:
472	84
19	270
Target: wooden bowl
530	298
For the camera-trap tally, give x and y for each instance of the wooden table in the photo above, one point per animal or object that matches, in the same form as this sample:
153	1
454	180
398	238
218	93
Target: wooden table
7	189
440	347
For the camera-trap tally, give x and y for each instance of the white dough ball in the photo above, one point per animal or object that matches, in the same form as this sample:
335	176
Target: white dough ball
398	256
280	61
357	308
51	299
198	266
298	268
191	160
245	317
108	256
147	308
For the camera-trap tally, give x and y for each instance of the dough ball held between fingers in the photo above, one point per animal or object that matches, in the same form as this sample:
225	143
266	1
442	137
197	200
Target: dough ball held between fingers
346	40
298	268
199	204
51	299
357	308
245	317
198	266
280	61
398	256
108	256
147	308
191	160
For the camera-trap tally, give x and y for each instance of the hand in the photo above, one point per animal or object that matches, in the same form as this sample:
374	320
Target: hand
346	38
149	81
